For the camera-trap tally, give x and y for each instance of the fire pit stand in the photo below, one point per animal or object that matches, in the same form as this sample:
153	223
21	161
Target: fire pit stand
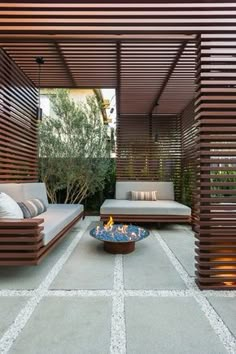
119	238
119	247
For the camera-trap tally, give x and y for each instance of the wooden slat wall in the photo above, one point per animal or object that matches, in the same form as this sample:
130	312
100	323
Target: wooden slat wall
140	157
188	154
215	114
18	124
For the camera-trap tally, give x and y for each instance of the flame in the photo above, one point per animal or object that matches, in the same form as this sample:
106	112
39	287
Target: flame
112	229
109	224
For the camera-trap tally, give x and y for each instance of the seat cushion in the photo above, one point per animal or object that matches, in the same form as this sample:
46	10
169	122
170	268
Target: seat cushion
143	207
57	217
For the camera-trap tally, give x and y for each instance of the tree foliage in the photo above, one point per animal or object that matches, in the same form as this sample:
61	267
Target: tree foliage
73	148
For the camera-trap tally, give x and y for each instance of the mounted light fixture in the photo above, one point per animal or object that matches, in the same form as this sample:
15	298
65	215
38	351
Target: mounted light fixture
40	61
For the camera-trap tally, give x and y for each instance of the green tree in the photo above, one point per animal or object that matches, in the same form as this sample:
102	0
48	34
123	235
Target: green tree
73	148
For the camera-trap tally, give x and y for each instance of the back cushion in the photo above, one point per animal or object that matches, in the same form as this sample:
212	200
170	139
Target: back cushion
14	190
21	192
165	190
35	190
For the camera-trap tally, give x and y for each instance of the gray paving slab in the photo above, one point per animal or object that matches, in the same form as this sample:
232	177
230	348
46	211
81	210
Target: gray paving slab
67	325
226	308
9	309
148	267
169	326
181	243
89	267
31	276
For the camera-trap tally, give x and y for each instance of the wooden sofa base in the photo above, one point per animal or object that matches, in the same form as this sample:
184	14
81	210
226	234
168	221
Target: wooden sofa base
148	218
21	241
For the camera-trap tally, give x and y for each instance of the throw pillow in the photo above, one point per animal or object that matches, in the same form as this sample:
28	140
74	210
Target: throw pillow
32	207
140	195
9	209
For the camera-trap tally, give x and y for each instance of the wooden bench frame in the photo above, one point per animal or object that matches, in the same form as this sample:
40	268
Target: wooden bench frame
148	218
21	241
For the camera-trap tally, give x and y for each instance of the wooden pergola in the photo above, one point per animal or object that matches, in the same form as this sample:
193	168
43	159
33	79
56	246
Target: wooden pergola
173	65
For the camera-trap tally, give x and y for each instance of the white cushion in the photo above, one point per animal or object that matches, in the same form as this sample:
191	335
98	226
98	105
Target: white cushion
9	209
143	207
165	190
57	217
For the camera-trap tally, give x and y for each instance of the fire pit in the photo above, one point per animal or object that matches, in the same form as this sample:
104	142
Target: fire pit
118	238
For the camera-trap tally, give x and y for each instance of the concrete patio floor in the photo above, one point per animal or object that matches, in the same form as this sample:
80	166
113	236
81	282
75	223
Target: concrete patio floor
83	300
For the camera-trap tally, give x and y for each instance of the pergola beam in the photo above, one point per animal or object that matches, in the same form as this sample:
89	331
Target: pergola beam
168	76
64	63
9	38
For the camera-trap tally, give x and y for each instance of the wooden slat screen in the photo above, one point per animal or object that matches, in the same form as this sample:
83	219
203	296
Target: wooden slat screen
18	124
73	17
149	149
215	114
188	155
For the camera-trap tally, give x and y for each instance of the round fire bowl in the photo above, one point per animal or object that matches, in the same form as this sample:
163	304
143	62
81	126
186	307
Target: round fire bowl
118	238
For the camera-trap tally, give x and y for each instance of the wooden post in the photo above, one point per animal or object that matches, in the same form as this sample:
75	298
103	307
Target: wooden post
215	116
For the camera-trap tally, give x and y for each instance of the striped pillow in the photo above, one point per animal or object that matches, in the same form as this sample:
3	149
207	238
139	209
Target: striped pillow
32	207
139	195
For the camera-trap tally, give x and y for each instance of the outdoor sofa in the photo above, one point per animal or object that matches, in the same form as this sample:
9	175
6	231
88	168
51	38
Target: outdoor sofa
28	241
164	209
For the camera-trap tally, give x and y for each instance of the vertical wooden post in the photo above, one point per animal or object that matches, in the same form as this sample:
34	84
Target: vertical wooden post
215	116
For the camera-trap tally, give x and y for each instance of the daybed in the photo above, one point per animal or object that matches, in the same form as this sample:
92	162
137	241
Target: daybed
164	209
28	241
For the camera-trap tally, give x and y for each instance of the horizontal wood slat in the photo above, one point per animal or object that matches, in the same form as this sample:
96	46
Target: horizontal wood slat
215	117
147	218
18	124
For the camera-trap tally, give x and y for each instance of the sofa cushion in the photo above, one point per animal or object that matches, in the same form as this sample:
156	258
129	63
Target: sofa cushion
21	192
35	190
57	217
165	190
9	209
143	207
14	190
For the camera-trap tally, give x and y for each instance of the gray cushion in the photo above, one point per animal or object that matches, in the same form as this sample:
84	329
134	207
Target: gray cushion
35	190
143	207
165	190
22	192
14	190
57	217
